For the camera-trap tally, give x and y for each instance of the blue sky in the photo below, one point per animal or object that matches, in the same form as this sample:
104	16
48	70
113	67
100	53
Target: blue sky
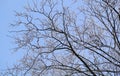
7	8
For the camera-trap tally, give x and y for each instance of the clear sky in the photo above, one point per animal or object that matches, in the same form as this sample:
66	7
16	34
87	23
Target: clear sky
7	8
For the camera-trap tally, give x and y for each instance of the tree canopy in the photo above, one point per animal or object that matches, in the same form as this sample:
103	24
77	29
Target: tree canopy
68	38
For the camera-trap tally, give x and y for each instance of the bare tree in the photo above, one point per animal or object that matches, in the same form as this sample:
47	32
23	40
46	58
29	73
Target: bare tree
68	38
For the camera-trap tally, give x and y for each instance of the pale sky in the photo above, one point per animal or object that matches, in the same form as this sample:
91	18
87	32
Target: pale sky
7	16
